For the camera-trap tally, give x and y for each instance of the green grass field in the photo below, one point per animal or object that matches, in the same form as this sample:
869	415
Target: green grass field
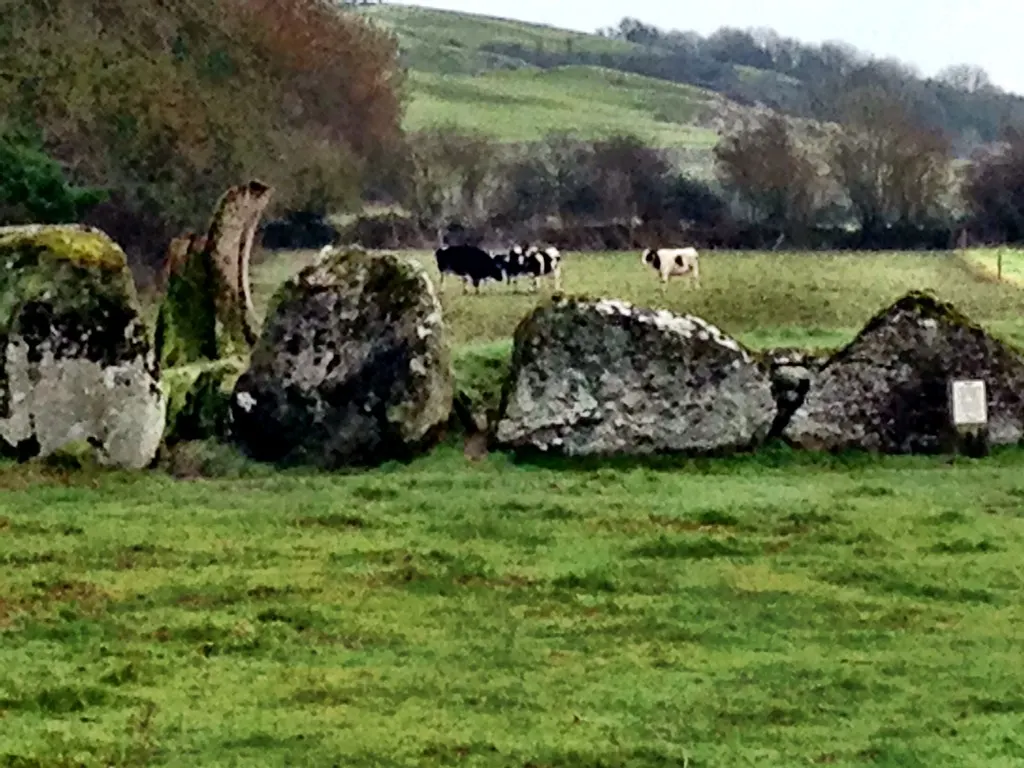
448	42
527	104
763	299
452	80
781	609
987	260
748	612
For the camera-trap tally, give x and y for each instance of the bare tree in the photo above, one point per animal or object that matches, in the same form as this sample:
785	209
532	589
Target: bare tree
965	77
452	174
765	167
893	170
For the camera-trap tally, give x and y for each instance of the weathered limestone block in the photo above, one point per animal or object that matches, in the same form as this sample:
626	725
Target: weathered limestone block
208	312
353	367
75	362
887	391
607	378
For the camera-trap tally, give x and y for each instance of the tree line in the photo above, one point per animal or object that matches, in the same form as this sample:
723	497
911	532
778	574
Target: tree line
162	105
134	115
761	66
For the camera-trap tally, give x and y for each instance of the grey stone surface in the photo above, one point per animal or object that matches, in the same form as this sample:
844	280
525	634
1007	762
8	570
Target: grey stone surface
887	391
76	366
353	366
607	378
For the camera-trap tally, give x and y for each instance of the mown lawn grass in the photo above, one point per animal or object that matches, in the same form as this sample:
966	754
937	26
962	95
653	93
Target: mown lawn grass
777	610
764	299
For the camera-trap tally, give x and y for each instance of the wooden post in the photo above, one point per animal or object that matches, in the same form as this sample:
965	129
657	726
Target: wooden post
968	407
999	264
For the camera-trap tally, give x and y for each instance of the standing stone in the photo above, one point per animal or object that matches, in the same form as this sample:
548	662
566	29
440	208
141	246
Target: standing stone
888	390
353	367
606	378
208	312
76	367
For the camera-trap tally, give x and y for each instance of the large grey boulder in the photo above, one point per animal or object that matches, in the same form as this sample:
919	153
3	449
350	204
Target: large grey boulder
353	366
606	378
76	367
887	390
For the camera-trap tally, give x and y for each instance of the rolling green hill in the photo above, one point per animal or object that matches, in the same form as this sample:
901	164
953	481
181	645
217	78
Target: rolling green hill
449	43
454	80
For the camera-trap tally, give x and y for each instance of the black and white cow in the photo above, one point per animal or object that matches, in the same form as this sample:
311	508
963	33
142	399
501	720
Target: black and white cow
471	264
673	262
530	261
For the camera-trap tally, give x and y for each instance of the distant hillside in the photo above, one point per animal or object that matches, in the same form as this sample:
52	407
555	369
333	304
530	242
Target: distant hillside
456	59
456	77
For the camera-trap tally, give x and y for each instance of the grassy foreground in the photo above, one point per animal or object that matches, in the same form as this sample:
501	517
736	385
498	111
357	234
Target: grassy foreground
776	610
769	611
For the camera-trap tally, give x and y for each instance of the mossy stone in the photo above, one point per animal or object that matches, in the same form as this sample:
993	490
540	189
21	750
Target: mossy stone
353	367
75	360
199	399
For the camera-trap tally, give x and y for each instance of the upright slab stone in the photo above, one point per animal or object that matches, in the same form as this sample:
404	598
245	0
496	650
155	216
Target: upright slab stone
75	362
607	378
889	389
208	313
353	367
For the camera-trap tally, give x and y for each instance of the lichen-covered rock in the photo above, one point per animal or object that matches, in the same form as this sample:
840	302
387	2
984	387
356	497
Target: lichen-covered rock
75	360
887	391
353	366
199	399
606	378
207	313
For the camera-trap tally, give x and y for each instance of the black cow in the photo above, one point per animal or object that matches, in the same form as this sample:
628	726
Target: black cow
468	262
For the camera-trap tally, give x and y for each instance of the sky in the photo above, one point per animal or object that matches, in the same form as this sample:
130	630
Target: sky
927	34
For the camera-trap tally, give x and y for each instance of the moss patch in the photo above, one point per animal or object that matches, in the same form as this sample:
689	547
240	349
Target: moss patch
186	326
74	273
199	399
53	263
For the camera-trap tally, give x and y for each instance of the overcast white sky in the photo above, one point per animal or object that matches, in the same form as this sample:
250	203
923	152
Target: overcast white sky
928	34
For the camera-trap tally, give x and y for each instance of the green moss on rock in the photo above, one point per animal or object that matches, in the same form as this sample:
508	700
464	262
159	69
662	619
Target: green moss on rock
76	363
47	266
206	314
51	263
199	399
353	366
186	326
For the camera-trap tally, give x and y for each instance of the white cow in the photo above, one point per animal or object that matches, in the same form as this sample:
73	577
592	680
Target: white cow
673	262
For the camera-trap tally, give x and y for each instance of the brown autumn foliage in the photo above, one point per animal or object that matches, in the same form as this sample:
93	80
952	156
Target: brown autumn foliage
166	103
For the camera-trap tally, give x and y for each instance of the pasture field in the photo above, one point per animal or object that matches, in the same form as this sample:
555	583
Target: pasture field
763	299
987	260
527	104
779	610
449	42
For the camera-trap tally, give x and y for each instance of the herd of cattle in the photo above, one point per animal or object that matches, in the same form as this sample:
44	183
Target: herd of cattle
475	266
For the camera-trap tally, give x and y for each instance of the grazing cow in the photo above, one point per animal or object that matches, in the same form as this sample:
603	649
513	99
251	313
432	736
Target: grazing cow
468	262
543	263
512	264
673	262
